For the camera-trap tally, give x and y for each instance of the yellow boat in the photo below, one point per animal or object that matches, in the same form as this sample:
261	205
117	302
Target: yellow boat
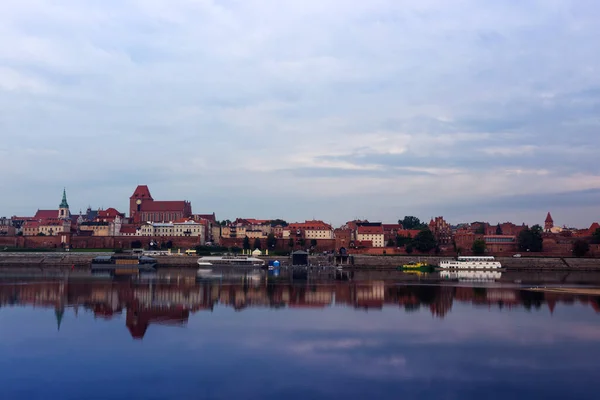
413	265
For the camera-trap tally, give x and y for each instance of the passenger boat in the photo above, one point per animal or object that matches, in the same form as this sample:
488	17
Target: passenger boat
117	265
471	262
234	261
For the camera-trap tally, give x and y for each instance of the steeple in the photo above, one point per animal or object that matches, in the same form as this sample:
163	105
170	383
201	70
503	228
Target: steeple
63	203
548	223
63	208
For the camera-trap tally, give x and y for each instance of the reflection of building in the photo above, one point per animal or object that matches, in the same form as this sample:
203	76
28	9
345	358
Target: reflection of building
172	304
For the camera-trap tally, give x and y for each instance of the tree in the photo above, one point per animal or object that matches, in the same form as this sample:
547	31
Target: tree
530	239
391	243
41	234
498	230
302	242
136	244
410	222
275	222
409	248
271	240
402	241
257	244
480	229
596	236
246	244
580	248
313	243
225	222
291	243
169	244
478	247
424	241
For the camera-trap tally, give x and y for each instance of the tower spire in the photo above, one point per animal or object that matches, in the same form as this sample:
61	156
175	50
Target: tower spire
63	203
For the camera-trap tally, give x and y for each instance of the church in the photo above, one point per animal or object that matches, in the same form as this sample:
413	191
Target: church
143	208
50	222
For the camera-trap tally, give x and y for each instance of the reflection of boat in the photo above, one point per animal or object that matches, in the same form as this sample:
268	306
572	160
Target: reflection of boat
122	265
471	262
236	261
471	276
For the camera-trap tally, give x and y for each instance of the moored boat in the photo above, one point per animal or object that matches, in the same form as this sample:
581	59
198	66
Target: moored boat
234	261
117	265
471	262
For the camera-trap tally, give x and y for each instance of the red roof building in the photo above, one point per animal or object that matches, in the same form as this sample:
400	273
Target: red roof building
143	207
108	215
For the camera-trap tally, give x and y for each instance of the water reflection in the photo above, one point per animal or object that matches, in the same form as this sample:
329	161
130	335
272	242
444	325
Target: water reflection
171	301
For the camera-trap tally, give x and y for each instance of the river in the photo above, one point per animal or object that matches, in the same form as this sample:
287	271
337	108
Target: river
303	336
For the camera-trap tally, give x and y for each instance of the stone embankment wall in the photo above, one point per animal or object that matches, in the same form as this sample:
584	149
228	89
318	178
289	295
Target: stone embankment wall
523	263
67	259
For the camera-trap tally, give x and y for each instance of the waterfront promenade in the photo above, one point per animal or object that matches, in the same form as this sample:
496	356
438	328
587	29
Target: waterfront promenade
70	260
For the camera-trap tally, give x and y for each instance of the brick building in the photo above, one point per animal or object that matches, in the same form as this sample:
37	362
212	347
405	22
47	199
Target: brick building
442	231
143	208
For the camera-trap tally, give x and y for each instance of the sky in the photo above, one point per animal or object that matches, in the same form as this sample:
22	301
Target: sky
301	109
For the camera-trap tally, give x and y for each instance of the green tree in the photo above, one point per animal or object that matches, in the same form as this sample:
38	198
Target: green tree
257	244
480	229
478	247
391	243
409	248
291	243
41	234
424	241
136	244
498	230
302	242
246	244
596	236
410	222
530	239
275	222
271	241
580	248
313	243
402	241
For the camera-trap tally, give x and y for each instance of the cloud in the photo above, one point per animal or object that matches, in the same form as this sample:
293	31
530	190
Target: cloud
301	103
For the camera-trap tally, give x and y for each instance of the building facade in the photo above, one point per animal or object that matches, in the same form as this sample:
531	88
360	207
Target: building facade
143	208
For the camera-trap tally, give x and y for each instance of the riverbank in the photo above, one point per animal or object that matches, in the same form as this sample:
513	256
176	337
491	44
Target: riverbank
82	260
593	291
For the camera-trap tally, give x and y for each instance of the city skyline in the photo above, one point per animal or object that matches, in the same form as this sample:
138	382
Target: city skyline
331	110
48	205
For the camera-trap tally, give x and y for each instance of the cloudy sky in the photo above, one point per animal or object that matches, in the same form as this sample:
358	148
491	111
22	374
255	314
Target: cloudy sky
328	109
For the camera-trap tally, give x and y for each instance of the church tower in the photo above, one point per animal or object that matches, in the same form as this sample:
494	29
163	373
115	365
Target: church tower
548	223
63	208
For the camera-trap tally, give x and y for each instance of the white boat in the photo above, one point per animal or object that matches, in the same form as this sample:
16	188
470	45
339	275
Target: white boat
471	262
237	261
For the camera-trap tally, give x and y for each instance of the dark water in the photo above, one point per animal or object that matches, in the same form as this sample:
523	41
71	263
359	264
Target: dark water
295	338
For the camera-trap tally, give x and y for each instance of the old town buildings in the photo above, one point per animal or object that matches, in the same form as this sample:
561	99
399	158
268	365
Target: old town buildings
174	221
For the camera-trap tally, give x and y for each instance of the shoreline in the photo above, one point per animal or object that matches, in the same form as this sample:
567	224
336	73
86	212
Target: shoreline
591	291
82	260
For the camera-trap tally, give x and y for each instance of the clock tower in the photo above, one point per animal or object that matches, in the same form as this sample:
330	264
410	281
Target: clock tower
140	196
63	208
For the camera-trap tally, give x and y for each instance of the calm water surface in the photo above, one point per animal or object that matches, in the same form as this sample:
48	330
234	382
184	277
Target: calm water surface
259	337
